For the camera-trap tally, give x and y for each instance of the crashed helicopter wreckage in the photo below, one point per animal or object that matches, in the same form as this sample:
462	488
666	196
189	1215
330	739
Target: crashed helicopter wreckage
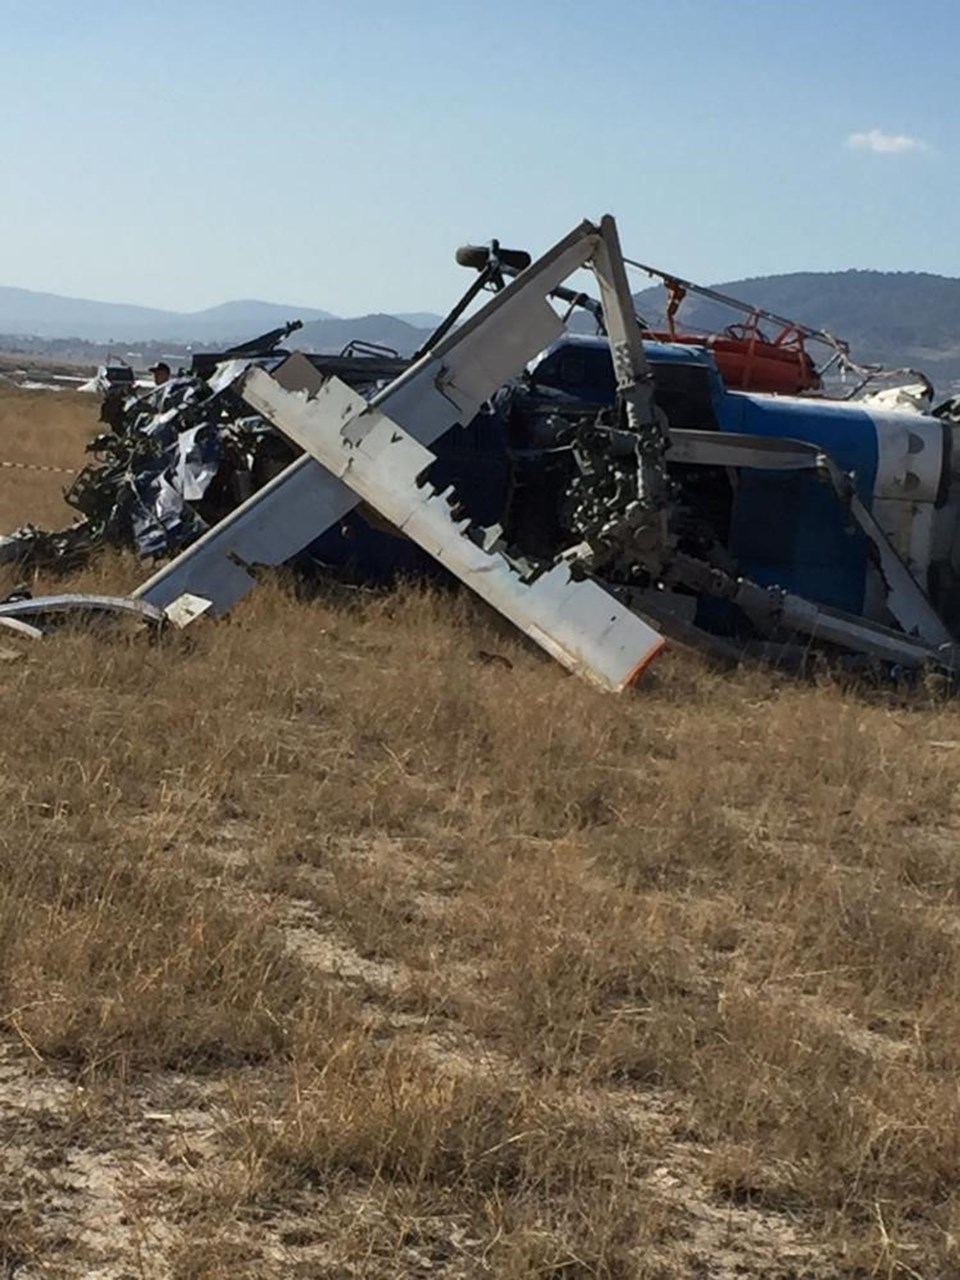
642	495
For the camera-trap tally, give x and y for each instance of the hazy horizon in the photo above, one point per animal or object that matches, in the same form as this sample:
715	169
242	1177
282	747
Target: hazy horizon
180	155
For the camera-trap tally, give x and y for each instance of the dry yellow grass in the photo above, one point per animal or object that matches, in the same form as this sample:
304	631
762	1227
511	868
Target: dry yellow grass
329	948
41	428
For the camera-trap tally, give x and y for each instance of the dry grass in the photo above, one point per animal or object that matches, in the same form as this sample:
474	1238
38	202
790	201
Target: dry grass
41	428
329	948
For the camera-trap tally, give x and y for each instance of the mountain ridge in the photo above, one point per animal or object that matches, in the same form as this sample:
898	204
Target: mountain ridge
896	318
54	315
377	328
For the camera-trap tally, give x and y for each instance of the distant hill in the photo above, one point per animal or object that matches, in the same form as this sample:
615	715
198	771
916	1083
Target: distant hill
385	331
48	315
420	319
51	316
897	318
893	318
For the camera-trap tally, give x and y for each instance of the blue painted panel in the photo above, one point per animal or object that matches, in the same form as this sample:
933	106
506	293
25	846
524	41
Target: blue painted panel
788	529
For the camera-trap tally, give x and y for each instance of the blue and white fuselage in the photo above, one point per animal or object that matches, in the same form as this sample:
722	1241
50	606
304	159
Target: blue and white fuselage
787	528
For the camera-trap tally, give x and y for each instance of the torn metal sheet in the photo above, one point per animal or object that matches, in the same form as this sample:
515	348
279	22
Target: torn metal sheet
186	609
199	455
446	386
575	621
174	459
713	485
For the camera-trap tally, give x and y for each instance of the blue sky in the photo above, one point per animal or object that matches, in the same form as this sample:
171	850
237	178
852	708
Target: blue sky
335	154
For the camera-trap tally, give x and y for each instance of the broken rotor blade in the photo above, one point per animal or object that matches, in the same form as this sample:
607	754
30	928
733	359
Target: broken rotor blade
574	620
41	606
446	386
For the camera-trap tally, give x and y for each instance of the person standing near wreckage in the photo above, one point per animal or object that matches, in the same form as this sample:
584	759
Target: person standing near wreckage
161	373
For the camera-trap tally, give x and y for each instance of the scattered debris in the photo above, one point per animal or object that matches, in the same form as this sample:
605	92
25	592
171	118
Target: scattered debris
114	377
493	659
15	610
176	458
597	490
20	628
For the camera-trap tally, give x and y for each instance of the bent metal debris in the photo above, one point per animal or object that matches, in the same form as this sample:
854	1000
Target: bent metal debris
605	492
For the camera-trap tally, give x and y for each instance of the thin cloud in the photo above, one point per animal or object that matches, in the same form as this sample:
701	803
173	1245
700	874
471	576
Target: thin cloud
885	144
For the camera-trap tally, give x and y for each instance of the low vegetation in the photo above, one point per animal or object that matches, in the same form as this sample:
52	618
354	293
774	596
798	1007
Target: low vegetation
29	492
350	936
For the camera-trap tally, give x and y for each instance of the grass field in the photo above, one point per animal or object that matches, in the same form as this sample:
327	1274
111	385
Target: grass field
351	937
41	428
